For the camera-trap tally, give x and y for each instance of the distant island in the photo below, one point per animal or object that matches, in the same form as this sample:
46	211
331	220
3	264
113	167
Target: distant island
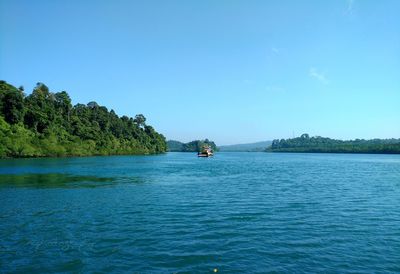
46	124
193	146
250	147
318	144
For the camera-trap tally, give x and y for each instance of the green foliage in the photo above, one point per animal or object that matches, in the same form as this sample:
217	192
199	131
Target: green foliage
5	140
46	124
174	145
11	103
250	147
140	120
193	146
305	143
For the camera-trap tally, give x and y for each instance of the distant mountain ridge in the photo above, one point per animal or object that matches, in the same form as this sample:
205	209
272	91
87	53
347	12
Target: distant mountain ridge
249	147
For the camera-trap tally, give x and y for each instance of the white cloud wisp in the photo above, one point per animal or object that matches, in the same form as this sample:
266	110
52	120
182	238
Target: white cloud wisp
314	73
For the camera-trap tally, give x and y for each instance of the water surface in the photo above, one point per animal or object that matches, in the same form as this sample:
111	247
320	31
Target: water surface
250	212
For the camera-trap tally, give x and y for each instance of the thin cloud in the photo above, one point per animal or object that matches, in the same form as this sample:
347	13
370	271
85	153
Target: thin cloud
275	50
320	76
350	4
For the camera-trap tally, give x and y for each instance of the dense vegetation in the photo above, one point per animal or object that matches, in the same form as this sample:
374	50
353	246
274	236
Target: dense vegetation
193	146
251	147
305	143
46	124
173	145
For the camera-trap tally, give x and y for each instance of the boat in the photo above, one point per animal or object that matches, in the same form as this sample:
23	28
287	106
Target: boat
206	151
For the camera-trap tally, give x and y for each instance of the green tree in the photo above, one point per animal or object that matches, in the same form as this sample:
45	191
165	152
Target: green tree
11	103
45	124
140	120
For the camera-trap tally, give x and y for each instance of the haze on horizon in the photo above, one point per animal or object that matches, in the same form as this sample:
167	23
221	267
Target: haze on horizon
230	71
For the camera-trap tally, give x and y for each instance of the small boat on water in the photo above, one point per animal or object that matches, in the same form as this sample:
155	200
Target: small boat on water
205	152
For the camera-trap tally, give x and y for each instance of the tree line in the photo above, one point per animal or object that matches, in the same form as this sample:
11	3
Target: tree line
193	146
305	143
45	123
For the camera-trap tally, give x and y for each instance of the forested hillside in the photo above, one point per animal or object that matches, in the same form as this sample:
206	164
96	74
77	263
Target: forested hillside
173	145
250	147
45	123
193	146
305	143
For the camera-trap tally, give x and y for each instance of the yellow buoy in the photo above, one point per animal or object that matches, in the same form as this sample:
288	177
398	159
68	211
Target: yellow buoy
215	270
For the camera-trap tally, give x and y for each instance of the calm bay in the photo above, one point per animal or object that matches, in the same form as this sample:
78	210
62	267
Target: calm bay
250	212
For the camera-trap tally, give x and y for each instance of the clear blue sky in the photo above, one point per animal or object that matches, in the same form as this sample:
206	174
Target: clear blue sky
232	71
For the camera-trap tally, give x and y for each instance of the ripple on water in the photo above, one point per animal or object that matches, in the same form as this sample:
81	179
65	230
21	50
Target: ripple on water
237	212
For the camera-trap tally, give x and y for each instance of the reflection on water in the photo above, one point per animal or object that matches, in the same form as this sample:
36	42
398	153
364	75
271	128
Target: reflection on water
54	180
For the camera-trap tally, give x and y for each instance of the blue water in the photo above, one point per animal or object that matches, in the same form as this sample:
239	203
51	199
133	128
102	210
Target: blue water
235	212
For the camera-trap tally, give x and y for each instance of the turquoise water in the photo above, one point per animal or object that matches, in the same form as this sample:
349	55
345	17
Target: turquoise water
235	212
